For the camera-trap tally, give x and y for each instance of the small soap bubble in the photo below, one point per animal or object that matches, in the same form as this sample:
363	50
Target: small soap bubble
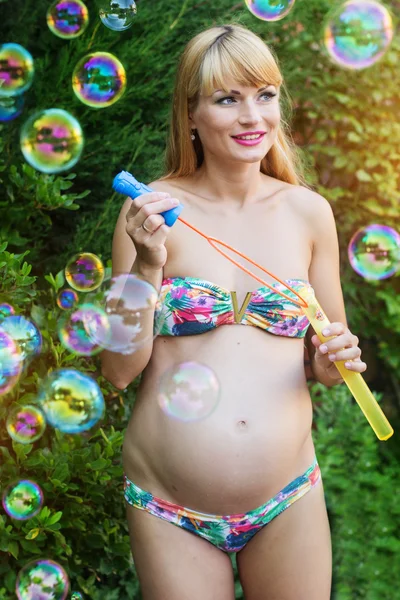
52	140
11	107
72	401
358	33
67	299
117	15
24	333
11	362
67	18
84	272
374	252
130	304
188	391
99	79
22	500
76	596
25	424
74	328
16	70
42	579
270	10
6	310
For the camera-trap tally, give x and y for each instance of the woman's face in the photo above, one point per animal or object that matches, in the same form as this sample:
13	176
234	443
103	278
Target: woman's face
220	116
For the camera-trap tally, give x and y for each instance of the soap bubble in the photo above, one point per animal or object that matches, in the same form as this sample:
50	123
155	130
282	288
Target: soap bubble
129	302
25	424
99	79
188	391
16	70
22	500
52	140
270	10
67	18
25	333
73	329
42	579
11	362
117	15
67	299
358	33
374	252
84	272
76	596
11	107
71	401
6	310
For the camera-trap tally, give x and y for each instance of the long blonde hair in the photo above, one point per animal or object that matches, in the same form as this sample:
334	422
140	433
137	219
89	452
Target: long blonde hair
207	62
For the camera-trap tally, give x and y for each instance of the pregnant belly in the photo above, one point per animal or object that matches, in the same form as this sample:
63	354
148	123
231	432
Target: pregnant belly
254	443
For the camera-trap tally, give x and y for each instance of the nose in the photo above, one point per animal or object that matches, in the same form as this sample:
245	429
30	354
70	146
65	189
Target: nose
249	113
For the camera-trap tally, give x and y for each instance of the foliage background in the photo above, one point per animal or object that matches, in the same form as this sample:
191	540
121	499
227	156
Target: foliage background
347	125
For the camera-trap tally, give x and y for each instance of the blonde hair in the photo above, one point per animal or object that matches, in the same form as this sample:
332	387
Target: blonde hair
209	59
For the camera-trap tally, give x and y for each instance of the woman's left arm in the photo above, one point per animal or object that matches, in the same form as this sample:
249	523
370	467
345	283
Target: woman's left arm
324	276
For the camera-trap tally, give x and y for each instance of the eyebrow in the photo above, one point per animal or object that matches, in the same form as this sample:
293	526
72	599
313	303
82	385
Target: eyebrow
238	93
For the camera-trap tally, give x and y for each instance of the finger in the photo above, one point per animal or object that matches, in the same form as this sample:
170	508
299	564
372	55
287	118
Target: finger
346	354
152	223
345	340
357	365
147	199
335	328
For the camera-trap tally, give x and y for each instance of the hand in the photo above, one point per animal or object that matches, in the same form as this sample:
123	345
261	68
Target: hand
144	211
342	347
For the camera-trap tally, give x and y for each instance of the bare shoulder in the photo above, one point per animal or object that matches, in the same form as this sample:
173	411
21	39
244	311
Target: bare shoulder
311	204
163	185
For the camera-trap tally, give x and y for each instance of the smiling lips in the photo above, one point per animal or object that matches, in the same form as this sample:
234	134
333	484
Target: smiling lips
249	142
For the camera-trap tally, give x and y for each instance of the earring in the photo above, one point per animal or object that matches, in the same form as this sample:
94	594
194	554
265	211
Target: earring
193	137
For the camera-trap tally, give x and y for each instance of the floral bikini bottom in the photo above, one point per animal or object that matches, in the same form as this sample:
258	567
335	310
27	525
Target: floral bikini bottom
229	533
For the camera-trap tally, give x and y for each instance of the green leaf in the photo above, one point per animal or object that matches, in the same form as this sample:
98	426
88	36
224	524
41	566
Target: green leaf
363	175
54	518
32	534
13	548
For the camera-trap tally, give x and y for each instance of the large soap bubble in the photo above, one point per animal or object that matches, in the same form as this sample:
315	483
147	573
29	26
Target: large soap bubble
73	329
131	306
270	10
99	79
72	401
11	362
84	272
25	333
188	391
42	579
16	70
11	107
25	424
374	251
67	18
22	500
117	15
52	140
358	33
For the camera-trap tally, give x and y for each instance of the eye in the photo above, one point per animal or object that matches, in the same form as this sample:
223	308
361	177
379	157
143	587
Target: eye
269	94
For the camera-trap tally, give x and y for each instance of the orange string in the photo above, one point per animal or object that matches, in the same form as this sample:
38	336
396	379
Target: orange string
213	241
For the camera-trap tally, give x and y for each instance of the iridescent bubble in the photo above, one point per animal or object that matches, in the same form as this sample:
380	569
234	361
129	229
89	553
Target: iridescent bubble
72	401
374	252
67	299
67	18
11	107
16	70
42	579
358	33
25	333
25	424
188	391
270	10
76	596
99	79
6	310
84	272
52	140
117	15
130	304
22	500
73	329
11	362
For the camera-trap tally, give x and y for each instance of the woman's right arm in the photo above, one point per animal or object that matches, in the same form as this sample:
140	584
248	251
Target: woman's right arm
140	253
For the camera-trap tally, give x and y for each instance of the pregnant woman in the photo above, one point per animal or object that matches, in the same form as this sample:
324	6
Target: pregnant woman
246	478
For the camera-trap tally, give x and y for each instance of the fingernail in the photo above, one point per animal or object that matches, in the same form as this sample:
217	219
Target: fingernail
174	201
325	332
347	364
332	357
323	349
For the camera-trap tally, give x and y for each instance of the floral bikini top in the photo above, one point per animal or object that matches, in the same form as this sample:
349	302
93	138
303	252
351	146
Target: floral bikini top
188	306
